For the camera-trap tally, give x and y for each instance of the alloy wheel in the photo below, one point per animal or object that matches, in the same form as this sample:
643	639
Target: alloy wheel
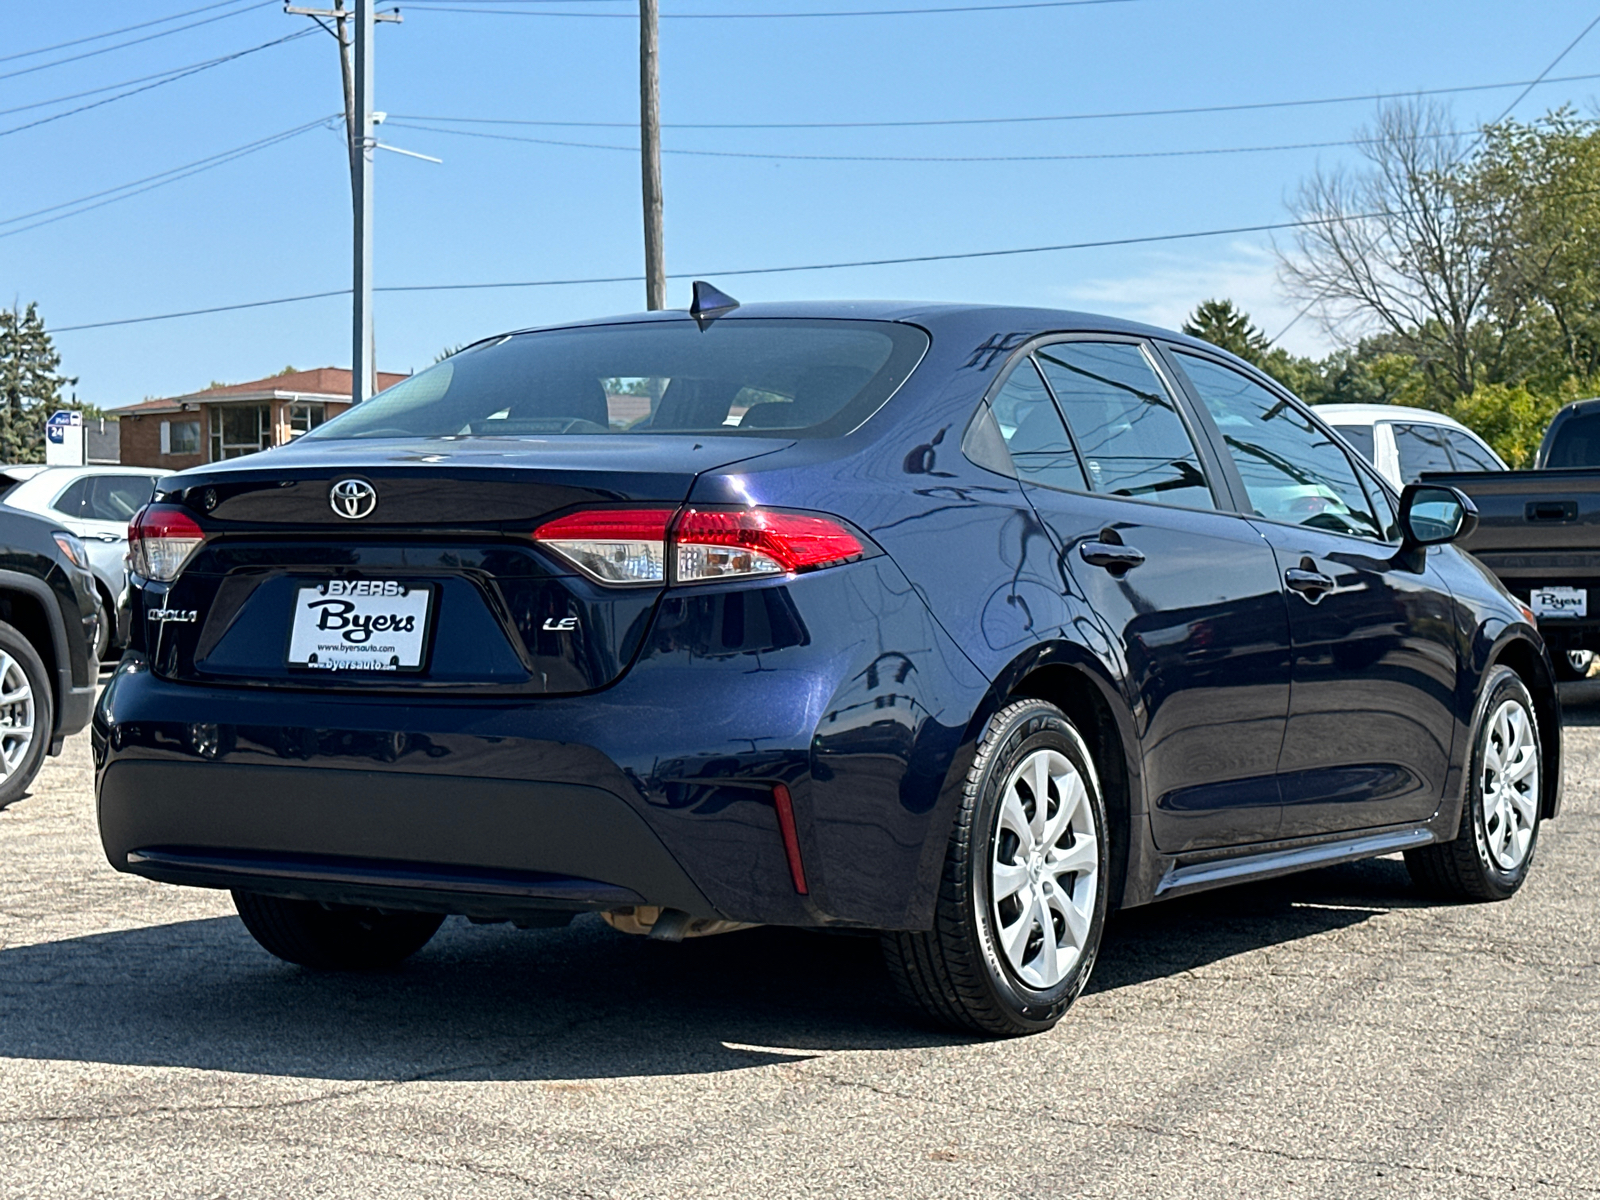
16	715
1043	869
1510	783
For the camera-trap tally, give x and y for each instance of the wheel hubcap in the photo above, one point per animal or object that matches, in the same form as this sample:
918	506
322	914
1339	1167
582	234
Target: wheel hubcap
1510	784
16	715
1044	869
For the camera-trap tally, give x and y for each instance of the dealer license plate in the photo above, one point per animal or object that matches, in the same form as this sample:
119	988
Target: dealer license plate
1560	602
359	625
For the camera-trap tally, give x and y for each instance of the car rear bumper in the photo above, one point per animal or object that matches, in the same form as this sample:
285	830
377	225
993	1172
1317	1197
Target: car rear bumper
484	847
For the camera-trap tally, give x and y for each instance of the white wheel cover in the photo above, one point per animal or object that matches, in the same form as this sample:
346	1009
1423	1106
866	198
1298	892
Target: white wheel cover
1044	869
1510	785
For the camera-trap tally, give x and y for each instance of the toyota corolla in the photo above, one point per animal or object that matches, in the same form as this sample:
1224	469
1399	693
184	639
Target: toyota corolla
959	624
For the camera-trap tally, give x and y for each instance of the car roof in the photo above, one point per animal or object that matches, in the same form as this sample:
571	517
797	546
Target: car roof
1367	414
937	317
17	472
20	471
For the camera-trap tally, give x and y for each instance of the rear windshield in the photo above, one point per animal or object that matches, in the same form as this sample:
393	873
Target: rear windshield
1577	442
791	378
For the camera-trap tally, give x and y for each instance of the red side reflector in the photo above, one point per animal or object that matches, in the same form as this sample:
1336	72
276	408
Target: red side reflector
791	839
794	541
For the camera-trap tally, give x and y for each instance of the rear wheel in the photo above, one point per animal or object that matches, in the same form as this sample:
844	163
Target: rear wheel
1572	665
1493	852
334	937
27	714
1022	902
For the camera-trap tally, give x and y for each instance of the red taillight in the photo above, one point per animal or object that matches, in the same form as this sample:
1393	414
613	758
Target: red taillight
613	545
635	545
746	542
160	541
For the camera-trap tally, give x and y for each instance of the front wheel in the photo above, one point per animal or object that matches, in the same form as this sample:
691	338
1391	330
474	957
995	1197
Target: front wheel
1493	852
27	714
334	937
1022	902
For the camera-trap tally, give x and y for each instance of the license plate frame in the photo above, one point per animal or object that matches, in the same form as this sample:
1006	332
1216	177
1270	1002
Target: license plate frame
367	597
1559	603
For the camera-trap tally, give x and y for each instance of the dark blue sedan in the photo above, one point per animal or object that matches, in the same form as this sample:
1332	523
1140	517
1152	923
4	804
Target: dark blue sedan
962	624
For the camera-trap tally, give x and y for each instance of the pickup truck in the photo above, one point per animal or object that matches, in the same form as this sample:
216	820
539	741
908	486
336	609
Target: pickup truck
1539	532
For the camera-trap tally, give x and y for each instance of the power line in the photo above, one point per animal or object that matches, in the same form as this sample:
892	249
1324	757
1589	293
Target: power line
1088	116
1554	62
170	77
904	158
833	266
149	37
95	37
422	6
111	87
151	182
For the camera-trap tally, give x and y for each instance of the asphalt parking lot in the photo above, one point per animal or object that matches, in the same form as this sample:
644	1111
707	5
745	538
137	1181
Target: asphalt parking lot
1327	1035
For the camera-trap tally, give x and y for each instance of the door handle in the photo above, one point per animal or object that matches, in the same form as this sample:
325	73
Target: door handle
1113	558
1311	584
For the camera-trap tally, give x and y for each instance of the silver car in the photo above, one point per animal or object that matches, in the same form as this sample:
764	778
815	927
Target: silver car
96	503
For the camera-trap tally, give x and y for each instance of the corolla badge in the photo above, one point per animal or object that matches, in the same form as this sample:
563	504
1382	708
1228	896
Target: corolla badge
353	498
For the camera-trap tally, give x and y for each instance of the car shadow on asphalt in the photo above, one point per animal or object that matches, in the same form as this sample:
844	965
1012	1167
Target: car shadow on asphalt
492	1002
1580	703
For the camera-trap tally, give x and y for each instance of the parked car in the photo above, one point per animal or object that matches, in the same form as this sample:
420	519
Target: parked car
49	622
1573	437
96	503
1404	443
1536	533
961	624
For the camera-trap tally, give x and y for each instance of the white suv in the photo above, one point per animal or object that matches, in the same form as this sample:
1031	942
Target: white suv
1404	442
96	503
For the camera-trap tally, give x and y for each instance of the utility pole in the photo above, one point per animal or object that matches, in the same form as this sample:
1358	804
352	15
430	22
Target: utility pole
655	266
362	372
359	126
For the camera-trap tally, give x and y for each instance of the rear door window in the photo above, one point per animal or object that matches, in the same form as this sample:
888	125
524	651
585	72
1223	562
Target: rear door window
1422	448
1126	426
1292	471
1041	449
117	497
71	502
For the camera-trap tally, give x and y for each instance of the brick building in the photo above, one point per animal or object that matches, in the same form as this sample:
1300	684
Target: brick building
238	418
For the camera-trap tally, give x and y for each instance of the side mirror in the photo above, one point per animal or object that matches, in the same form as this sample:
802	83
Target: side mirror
1432	514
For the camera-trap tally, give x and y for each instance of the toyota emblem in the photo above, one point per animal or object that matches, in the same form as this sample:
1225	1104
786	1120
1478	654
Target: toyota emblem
353	498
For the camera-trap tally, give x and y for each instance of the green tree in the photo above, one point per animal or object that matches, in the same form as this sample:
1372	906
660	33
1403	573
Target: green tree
30	383
1541	182
1224	326
1513	419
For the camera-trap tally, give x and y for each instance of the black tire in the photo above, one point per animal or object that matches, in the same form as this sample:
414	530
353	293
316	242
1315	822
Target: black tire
1467	868
334	937
20	651
107	627
959	972
1568	671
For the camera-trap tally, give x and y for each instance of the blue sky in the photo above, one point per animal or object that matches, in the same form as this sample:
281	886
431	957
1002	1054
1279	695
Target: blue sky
275	222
